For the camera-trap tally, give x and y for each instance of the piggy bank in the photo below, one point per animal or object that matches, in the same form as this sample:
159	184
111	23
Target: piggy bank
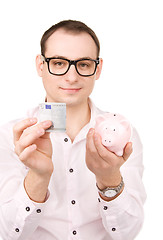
115	131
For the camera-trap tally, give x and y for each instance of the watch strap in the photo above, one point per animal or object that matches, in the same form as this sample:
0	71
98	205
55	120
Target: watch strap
117	189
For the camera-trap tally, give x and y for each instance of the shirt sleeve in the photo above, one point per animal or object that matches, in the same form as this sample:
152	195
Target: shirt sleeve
123	217
19	215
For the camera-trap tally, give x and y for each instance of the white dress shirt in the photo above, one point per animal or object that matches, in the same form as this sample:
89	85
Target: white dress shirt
73	209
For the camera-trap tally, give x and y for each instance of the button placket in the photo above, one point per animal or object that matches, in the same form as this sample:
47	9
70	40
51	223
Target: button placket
71	188
73	206
73	203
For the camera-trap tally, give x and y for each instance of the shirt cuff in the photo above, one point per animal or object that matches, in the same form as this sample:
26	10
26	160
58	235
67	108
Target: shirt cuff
118	205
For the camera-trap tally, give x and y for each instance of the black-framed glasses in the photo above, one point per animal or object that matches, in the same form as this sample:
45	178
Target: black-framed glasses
60	66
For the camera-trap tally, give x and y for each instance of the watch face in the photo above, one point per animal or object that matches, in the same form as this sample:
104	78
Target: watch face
110	193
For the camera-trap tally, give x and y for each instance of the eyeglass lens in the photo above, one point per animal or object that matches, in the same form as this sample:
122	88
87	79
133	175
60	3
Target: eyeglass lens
60	66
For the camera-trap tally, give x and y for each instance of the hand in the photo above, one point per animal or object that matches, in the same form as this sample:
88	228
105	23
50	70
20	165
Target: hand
103	163
33	145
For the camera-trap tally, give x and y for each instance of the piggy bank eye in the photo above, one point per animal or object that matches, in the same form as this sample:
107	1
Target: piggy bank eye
114	129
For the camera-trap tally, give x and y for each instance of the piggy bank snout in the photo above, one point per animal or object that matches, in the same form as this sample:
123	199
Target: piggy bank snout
107	140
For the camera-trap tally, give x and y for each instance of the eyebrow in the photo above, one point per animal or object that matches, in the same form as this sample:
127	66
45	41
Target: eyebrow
58	56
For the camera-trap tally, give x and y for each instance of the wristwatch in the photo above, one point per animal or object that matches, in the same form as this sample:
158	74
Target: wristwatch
111	191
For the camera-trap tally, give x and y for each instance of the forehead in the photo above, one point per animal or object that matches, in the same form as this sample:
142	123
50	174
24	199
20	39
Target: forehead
70	45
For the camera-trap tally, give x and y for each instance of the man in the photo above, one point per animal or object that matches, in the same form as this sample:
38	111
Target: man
53	185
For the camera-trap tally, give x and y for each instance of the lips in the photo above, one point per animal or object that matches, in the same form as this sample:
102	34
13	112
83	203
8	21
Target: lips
70	90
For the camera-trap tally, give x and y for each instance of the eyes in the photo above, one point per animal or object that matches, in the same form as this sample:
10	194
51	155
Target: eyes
59	63
84	64
64	63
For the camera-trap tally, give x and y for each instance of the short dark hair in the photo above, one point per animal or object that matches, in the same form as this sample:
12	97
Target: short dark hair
70	26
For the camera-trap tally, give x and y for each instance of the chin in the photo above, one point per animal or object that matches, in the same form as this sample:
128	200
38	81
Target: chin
74	102
69	99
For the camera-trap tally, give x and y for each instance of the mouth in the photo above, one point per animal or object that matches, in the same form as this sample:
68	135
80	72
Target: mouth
70	90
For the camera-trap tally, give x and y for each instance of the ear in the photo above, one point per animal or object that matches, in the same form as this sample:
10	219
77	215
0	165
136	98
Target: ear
99	68
39	65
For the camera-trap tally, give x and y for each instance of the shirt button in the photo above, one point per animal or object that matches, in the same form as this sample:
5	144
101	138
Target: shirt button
16	229
38	210
74	232
66	139
113	229
73	201
27	209
71	170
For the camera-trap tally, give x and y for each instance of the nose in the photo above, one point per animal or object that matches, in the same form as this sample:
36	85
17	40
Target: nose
72	76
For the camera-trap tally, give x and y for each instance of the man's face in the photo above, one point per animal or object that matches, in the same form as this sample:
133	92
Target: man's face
70	88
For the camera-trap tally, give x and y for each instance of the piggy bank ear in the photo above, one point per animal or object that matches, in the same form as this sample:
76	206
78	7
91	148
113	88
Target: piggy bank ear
99	119
125	124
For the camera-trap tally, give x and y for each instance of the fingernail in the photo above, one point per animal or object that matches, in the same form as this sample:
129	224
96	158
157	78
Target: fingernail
46	123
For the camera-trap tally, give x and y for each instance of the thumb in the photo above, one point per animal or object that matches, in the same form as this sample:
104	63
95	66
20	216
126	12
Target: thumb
127	151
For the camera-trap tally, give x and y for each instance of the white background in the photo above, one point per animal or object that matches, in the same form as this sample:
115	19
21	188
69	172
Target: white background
131	36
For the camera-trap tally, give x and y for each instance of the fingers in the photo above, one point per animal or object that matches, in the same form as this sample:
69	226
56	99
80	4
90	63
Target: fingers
27	140
95	146
94	143
90	142
25	134
40	128
27	151
103	152
21	126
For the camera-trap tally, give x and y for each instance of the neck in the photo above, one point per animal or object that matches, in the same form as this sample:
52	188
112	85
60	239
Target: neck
76	118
